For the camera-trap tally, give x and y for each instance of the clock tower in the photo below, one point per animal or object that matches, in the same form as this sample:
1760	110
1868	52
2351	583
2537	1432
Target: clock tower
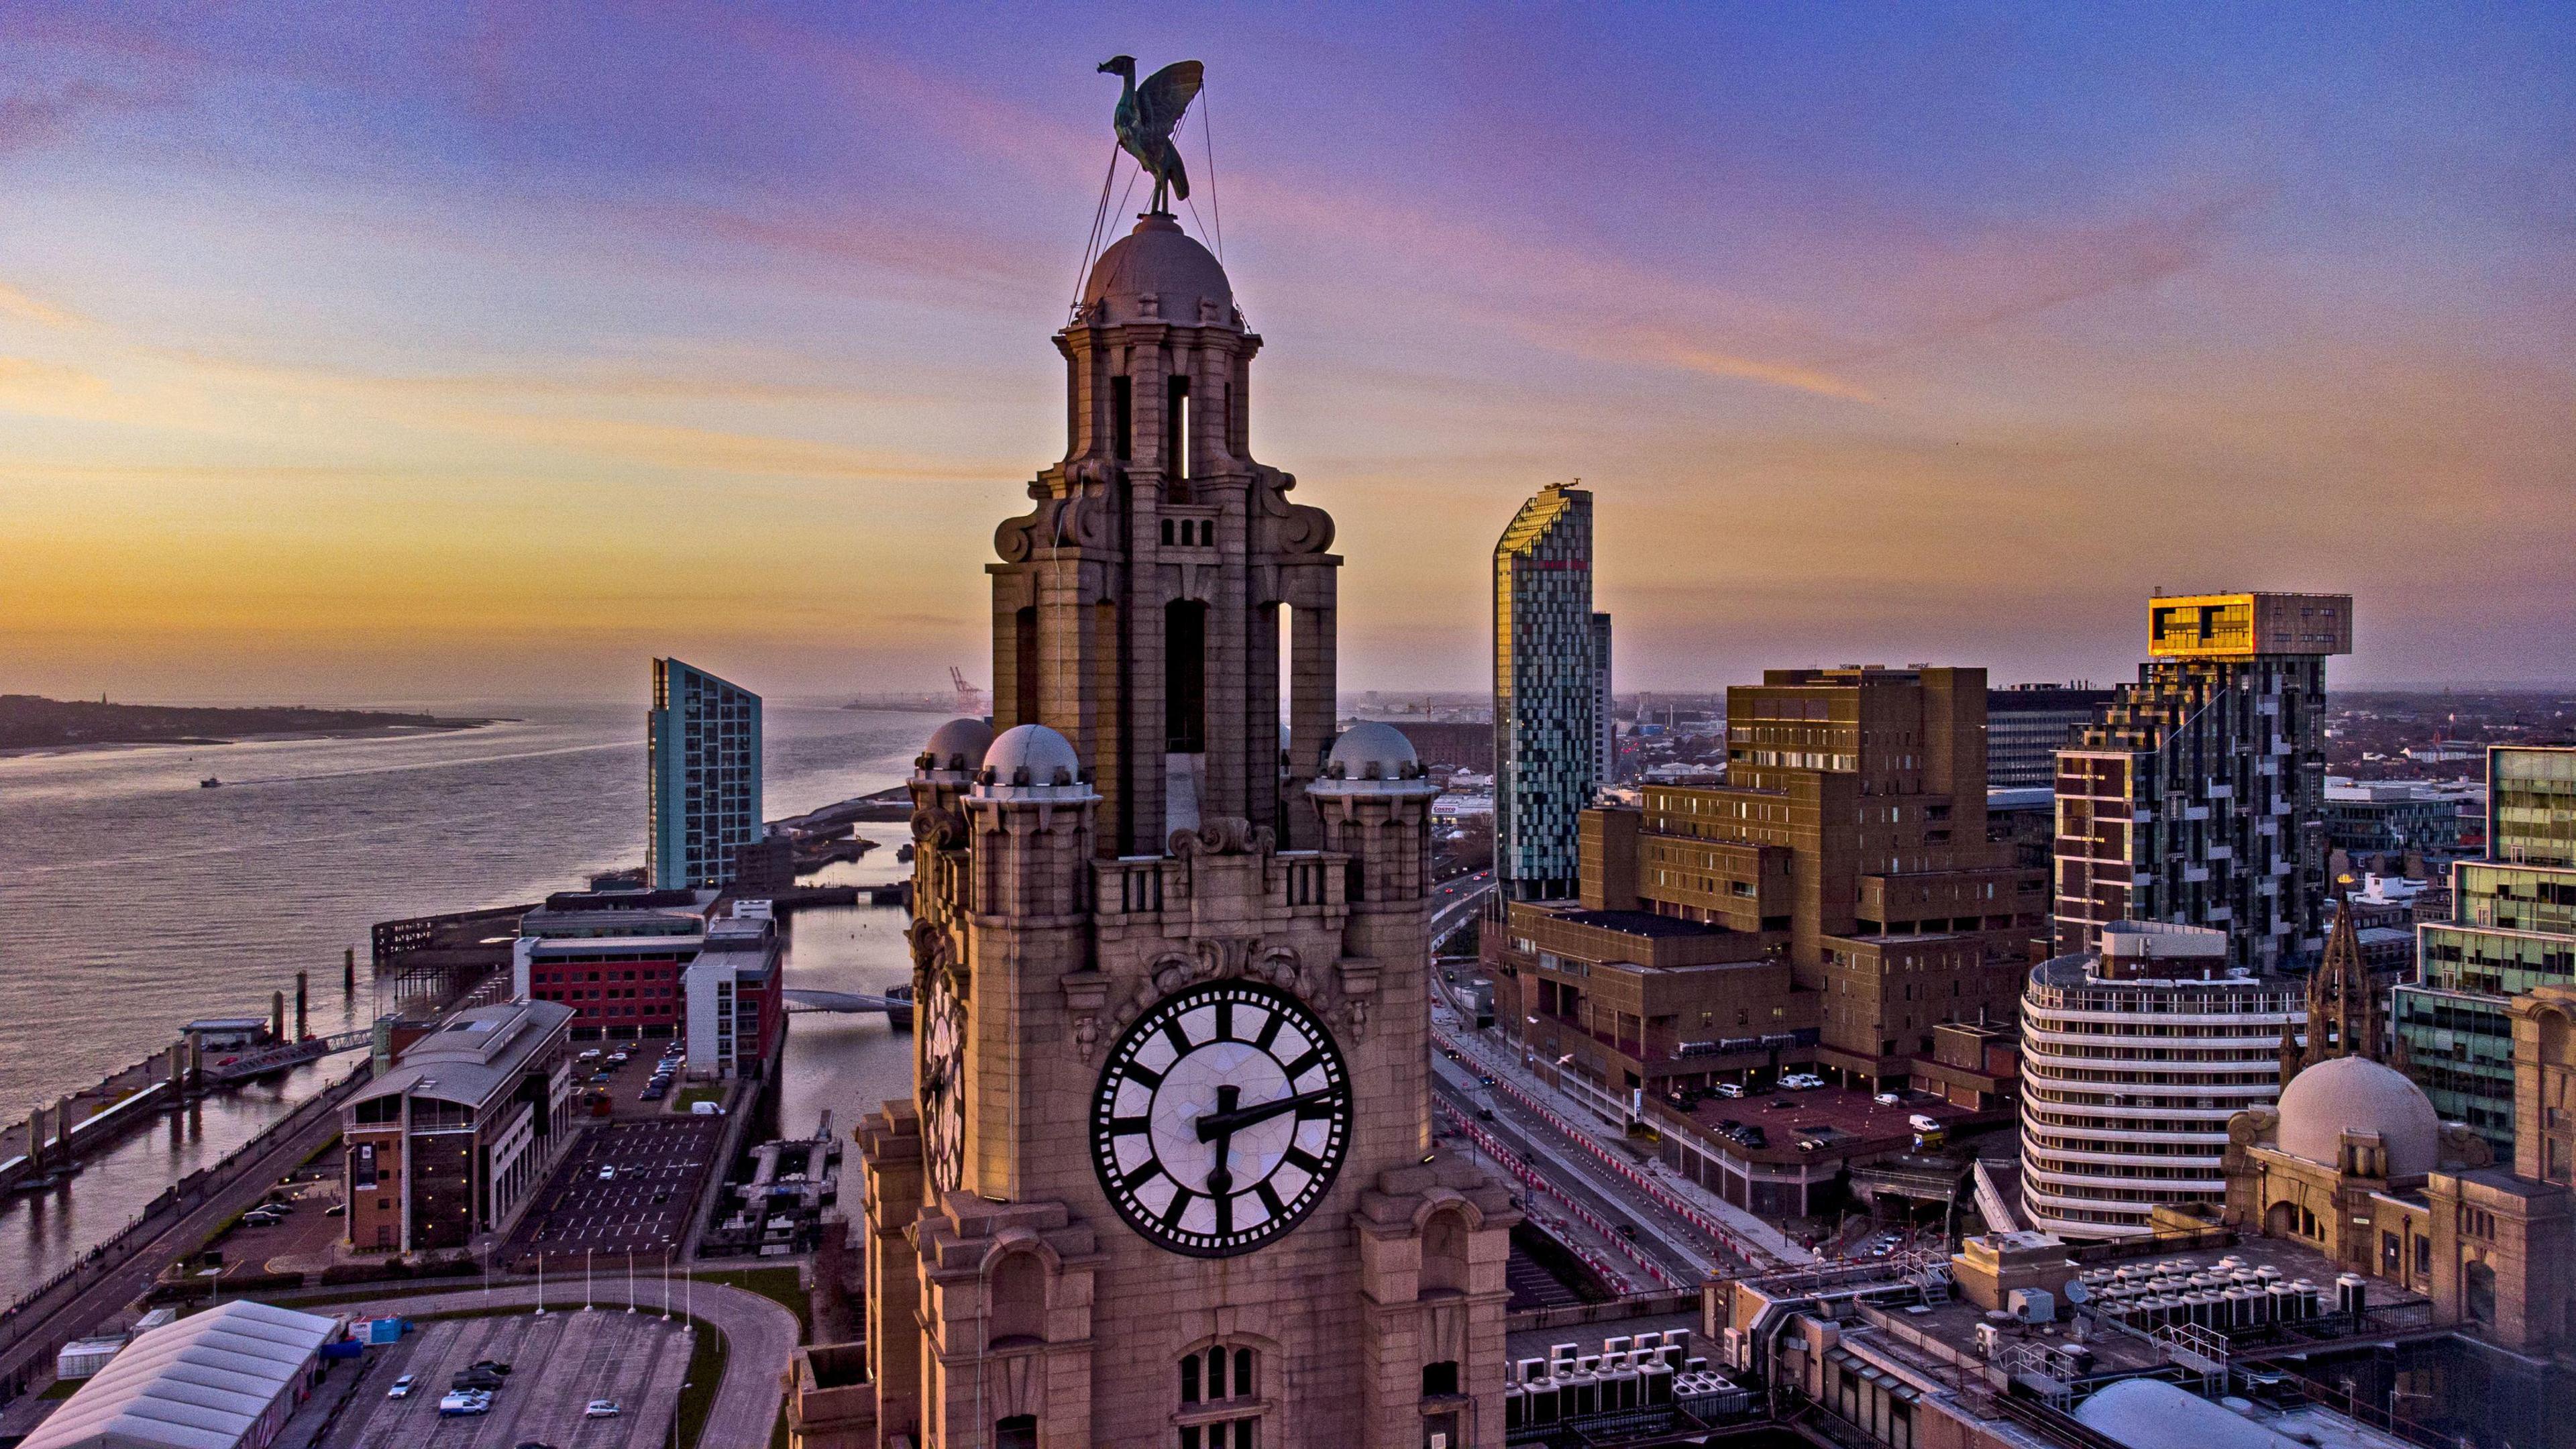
1167	1177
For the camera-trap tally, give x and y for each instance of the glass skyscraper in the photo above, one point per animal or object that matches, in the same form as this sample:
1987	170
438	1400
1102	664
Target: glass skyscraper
702	753
2512	927
1547	688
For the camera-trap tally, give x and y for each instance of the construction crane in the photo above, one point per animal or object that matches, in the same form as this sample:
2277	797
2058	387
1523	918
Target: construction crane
970	700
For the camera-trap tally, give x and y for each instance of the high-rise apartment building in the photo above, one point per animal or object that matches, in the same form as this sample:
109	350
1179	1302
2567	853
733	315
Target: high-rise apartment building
2027	724
1546	683
2512	930
1605	715
702	752
2135	1053
1849	842
2197	797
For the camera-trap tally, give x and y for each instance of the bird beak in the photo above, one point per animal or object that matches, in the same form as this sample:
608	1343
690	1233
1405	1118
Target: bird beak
1106	64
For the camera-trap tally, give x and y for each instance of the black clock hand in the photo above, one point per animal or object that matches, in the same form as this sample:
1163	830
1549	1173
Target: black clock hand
1229	1120
1220	1180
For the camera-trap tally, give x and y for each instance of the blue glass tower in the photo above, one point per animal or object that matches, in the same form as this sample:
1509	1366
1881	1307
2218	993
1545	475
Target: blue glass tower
1548	685
702	748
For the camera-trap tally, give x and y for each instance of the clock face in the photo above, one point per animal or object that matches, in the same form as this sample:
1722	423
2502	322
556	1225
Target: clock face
942	1035
1221	1118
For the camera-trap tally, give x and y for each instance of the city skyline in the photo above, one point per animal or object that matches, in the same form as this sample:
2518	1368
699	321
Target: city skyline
348	358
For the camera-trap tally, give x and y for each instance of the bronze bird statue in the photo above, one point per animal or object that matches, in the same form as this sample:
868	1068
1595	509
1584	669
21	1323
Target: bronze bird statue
1146	115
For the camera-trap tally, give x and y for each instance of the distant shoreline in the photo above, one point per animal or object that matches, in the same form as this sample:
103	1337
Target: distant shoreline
33	725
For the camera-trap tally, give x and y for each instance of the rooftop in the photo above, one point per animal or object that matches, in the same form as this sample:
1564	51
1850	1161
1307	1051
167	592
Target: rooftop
207	1379
1836	1117
474	1056
1639	923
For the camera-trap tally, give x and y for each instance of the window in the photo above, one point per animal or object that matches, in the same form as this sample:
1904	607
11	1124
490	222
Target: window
1439	1378
1220	1374
1122	417
1020	1431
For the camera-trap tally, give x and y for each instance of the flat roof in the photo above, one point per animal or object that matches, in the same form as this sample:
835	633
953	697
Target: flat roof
1845	1115
1639	923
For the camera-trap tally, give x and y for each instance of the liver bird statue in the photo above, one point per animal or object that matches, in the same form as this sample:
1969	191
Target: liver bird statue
1146	115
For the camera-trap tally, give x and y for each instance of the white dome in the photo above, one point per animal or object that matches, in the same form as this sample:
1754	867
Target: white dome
1161	261
2357	1094
2153	1414
957	746
1031	761
1371	750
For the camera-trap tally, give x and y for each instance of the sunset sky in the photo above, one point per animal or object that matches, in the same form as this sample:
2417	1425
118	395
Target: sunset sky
358	352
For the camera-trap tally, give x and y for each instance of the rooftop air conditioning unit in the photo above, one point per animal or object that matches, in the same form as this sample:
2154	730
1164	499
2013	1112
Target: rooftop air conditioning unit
2033	1305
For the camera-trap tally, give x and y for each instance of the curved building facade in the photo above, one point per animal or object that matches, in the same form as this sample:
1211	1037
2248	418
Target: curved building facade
2134	1057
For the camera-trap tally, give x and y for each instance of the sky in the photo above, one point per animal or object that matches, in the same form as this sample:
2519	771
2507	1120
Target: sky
360	352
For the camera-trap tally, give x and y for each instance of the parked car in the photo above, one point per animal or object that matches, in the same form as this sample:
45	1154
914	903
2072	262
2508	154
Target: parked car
1729	1089
592	1055
608	1172
1888	1099
402	1387
498	1366
455	1405
336	1210
705	1109
600	1409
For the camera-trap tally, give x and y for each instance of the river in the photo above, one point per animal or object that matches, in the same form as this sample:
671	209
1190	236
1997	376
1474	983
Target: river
132	900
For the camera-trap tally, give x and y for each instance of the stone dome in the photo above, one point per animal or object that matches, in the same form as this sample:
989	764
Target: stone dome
1372	758
2357	1094
1160	261
1371	750
957	746
1031	762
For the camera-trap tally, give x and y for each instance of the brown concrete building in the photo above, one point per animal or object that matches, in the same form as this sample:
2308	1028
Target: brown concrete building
1849	843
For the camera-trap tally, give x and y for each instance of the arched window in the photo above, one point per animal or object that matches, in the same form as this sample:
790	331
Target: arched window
1020	1431
1215	1379
1017	1302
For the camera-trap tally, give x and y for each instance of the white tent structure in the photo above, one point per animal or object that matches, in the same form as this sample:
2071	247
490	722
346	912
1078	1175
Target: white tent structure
226	1378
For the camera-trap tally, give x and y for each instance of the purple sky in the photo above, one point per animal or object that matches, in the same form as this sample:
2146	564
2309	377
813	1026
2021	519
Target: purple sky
418	351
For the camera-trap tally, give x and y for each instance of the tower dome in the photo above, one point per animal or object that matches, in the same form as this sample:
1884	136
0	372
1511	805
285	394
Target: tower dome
2356	1094
956	747
1159	261
1031	762
1372	756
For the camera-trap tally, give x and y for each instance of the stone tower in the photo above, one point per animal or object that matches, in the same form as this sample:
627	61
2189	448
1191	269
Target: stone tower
1167	1175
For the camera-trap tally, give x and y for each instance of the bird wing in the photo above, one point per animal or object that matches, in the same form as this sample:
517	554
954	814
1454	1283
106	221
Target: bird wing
1168	92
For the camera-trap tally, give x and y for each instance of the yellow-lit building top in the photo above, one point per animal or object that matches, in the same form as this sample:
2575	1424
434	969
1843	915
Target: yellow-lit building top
2237	626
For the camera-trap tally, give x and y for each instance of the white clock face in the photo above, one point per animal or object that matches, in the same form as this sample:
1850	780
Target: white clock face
942	1072
1221	1118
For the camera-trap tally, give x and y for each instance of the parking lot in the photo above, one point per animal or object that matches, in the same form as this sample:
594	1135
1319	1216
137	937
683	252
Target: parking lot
559	1363
642	1209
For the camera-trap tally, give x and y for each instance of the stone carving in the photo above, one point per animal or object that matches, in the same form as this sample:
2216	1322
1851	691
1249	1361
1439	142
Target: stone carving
1223	835
1294	527
2463	1148
937	829
931	955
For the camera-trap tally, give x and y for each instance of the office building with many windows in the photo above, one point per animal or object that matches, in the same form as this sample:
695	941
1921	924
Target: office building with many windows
702	798
1547	684
2197	798
2512	930
2027	724
2135	1053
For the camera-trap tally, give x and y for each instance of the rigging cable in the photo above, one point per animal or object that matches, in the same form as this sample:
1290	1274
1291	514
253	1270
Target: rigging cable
1099	219
1207	141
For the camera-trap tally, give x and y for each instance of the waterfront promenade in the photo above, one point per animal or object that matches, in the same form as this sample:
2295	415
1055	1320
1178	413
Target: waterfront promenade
176	1223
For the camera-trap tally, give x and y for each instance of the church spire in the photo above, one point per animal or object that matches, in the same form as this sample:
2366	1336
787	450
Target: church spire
2340	998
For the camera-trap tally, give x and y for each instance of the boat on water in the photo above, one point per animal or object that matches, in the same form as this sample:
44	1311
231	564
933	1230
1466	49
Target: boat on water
899	1007
208	783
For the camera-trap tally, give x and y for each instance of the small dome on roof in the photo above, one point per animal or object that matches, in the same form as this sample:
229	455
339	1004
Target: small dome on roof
1372	750
1161	261
2356	1094
1372	758
957	746
2153	1414
1031	762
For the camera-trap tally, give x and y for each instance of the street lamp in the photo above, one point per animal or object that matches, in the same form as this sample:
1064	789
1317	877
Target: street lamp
585	1280
541	1282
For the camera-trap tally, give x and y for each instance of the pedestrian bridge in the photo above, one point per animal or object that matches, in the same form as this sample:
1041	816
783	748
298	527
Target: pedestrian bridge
807	999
